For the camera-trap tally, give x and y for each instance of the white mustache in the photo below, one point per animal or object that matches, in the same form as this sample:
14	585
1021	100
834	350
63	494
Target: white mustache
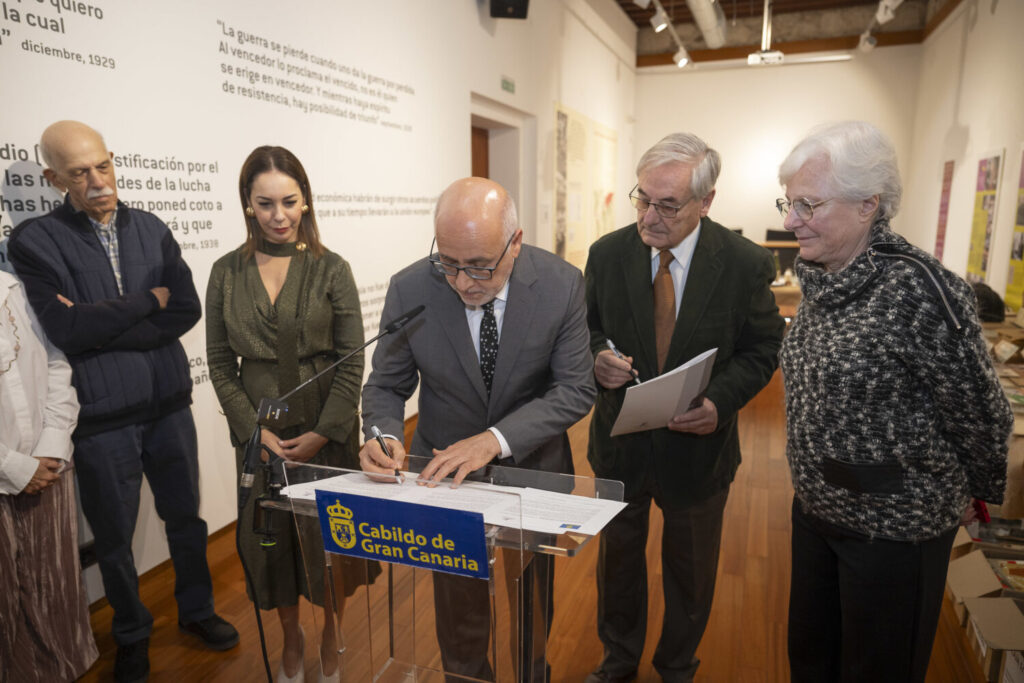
95	194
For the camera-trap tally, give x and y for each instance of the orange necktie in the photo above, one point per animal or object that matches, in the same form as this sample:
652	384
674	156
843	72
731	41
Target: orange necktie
664	307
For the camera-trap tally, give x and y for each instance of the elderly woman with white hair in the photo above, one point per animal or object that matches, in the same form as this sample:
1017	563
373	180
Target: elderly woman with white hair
895	419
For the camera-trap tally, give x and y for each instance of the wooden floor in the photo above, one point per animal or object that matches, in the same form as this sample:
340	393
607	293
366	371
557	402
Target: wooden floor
745	639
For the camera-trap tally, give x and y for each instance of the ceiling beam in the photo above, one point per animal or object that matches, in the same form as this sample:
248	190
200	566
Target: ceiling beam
940	16
792	47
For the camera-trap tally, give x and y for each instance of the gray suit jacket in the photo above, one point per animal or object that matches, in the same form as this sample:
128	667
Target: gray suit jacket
543	377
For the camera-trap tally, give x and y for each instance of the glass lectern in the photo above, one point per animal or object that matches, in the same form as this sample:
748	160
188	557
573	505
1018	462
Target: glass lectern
414	619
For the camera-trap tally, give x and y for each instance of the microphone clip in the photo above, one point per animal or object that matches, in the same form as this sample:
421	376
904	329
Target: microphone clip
271	412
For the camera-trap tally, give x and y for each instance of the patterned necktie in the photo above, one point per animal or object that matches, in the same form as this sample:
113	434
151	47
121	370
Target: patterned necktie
488	344
664	307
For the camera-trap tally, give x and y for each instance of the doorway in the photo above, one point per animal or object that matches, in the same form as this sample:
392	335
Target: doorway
502	143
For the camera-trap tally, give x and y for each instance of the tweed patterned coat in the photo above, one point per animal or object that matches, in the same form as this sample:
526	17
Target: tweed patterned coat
894	414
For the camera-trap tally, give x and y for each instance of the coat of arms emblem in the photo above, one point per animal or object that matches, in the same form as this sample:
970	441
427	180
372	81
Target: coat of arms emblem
343	530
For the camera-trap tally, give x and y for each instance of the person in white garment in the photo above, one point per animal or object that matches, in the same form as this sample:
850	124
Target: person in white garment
45	634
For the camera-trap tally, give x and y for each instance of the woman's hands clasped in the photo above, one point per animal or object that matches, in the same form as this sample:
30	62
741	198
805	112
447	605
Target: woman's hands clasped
302	448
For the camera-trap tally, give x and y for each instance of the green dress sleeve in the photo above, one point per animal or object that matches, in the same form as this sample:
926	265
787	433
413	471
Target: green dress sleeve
339	416
221	359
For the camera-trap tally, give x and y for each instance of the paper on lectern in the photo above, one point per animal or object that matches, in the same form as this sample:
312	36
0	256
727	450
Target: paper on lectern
529	508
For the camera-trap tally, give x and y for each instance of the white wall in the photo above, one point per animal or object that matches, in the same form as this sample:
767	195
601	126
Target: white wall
164	98
970	101
754	116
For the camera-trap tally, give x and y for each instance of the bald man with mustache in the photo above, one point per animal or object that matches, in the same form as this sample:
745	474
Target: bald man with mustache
111	290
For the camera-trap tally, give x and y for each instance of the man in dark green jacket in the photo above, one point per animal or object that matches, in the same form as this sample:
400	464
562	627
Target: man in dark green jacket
663	290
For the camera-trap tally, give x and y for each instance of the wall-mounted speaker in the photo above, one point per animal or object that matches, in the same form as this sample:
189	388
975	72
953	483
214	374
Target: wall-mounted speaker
509	9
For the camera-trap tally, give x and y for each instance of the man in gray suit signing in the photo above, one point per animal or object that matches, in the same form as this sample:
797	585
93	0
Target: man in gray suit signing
503	360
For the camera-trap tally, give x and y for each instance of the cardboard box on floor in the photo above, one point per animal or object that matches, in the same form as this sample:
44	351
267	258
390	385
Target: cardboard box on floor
961	544
995	629
971	576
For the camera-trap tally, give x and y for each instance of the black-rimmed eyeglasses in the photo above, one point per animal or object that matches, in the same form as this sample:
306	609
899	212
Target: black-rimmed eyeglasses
804	208
475	272
641	204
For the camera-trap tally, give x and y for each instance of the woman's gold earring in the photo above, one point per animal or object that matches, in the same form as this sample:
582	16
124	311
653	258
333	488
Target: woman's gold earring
249	211
305	208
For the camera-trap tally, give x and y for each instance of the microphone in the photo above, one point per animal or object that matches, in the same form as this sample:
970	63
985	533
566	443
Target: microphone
399	322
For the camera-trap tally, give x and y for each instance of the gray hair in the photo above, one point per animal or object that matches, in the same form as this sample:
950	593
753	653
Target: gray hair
685	148
861	163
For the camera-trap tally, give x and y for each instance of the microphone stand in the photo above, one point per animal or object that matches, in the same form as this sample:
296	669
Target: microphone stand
243	497
270	413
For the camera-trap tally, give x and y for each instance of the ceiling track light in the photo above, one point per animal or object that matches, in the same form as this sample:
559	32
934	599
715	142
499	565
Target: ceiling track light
867	42
660	20
642	4
887	10
883	15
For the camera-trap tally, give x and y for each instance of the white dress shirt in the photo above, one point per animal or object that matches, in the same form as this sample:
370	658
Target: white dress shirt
680	267
38	405
475	316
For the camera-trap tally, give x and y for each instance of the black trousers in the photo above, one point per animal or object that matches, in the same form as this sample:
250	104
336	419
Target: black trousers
862	609
463	622
109	467
689	560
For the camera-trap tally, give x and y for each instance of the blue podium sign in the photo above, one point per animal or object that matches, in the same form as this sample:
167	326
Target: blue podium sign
421	536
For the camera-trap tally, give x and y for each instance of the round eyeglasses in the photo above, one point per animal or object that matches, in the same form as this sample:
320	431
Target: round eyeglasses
804	208
641	204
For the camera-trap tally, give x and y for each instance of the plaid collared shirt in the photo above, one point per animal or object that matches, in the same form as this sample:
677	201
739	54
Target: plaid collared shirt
108	238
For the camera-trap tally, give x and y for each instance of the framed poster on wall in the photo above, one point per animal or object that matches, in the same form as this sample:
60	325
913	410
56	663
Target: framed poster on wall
985	192
1015	278
585	154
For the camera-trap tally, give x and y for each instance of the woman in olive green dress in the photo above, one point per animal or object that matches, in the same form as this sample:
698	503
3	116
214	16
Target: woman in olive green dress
286	307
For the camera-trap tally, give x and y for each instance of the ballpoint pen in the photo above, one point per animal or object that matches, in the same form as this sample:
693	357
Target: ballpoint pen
384	447
632	371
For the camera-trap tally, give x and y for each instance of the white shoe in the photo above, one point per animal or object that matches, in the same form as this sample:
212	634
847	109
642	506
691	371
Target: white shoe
333	678
300	675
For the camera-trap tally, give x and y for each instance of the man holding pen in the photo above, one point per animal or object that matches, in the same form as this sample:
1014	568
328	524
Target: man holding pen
667	288
504	370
